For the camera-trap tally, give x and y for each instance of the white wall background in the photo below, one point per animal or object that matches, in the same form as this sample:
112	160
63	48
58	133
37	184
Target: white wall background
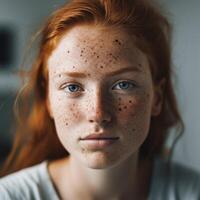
25	16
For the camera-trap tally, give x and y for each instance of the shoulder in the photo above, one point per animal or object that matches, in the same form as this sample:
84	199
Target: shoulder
180	181
28	183
186	179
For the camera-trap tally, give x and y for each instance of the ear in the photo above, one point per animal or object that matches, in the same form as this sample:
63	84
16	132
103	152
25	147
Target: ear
158	98
48	106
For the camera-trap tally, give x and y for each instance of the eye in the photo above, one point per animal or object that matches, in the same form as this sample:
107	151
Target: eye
71	88
125	85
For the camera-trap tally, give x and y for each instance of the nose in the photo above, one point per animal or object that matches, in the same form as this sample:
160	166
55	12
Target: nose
98	112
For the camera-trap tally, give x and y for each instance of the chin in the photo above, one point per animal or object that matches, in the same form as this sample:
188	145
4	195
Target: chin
99	160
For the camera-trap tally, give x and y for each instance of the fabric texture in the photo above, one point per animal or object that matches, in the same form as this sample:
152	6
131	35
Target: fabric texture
177	182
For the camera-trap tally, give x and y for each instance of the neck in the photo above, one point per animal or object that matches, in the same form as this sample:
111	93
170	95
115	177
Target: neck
109	183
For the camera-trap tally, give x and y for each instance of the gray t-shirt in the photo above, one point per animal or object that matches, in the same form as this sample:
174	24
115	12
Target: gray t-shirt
34	183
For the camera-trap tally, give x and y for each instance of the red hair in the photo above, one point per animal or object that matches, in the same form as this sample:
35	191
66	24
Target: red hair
36	138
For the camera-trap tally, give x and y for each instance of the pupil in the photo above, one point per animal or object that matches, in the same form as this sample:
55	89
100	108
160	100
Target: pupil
124	84
72	88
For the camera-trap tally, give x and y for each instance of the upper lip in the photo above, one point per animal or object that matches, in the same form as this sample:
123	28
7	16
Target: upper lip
99	136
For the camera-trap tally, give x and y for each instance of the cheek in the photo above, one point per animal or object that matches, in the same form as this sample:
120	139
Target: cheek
134	113
65	113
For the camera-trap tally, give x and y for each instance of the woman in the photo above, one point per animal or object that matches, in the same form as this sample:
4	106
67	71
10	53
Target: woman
102	103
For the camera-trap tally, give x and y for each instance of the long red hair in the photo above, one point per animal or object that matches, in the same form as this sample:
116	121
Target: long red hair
36	138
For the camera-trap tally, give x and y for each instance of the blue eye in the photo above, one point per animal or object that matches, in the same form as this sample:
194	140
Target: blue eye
125	85
72	88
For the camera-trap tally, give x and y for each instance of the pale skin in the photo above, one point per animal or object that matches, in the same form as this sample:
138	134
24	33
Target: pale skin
95	103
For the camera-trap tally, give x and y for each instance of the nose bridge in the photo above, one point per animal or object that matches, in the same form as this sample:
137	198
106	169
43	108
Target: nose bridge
98	111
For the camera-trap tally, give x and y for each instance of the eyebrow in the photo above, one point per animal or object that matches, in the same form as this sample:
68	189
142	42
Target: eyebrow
124	70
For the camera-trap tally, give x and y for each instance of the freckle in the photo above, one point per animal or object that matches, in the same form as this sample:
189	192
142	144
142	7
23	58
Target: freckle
66	124
73	66
59	75
120	109
85	60
84	41
81	51
81	55
97	56
101	67
133	130
68	51
130	101
94	53
89	74
125	107
117	41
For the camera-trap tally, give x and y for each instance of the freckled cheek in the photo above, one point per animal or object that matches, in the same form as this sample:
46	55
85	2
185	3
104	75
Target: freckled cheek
128	107
133	114
65	113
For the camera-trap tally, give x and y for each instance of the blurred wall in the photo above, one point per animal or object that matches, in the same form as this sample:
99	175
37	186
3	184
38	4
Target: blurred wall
24	17
185	16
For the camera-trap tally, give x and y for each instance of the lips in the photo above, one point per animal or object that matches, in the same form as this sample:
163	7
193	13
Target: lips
98	141
101	136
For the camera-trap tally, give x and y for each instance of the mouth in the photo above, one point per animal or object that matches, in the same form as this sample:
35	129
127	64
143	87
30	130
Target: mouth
98	143
101	136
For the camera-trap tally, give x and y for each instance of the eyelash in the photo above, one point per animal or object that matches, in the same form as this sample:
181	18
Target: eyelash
130	83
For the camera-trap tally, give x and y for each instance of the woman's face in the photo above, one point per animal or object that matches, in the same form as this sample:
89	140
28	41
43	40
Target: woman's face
99	82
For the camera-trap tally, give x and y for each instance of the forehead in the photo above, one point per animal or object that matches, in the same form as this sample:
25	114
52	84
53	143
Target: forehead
90	47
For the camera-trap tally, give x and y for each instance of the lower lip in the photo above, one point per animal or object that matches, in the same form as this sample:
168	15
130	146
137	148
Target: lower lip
98	143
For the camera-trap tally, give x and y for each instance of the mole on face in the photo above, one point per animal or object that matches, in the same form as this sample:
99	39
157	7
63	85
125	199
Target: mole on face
101	66
68	51
117	42
112	56
130	101
125	107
